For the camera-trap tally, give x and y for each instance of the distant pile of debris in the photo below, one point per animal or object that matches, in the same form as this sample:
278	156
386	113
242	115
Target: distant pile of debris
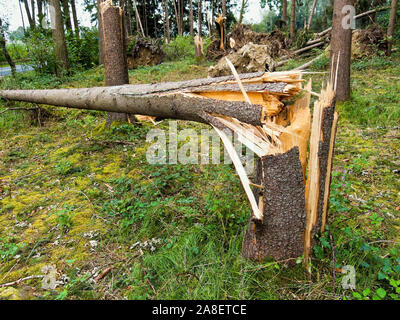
144	53
366	41
241	35
248	50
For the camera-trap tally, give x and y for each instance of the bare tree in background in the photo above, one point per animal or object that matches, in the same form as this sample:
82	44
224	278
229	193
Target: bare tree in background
392	21
341	48
60	47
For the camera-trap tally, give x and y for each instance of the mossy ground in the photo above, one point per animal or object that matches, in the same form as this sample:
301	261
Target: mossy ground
83	198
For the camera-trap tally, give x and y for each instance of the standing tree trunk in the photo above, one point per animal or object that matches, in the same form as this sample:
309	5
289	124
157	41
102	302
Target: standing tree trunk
242	9
293	20
40	11
60	47
224	24
341	49
167	32
75	18
101	36
22	15
115	61
392	21
128	17
191	22
311	14
200	15
138	20
4	49
177	8
284	11
28	14
67	16
33	11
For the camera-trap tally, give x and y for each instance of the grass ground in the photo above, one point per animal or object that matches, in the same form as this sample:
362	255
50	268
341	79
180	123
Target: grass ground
83	199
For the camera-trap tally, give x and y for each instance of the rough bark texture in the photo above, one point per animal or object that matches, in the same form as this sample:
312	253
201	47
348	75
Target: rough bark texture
284	11
323	155
293	20
191	20
200	15
341	45
4	49
140	99
60	47
392	21
280	236
115	59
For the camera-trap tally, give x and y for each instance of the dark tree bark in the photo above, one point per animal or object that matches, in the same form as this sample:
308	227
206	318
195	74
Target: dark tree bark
101	36
60	47
4	49
22	15
66	15
284	11
40	11
28	14
392	21
341	49
293	20
75	18
200	15
33	11
191	20
115	60
177	8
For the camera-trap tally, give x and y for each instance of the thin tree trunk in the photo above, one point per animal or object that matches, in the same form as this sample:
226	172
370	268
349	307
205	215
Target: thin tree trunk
341	50
129	16
224	23
178	16
33	11
4	49
75	18
200	14
67	15
40	11
284	11
60	47
28	14
293	20
392	21
101	35
191	22
167	32
115	61
138	20
244	3
22	15
311	14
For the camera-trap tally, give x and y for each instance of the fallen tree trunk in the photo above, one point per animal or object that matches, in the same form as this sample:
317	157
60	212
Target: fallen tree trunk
287	209
175	100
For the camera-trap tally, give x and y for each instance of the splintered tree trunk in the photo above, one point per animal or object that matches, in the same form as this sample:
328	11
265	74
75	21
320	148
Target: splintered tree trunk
392	21
4	49
287	209
60	47
340	55
115	60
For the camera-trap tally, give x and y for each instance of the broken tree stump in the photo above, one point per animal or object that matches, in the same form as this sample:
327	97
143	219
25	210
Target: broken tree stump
290	196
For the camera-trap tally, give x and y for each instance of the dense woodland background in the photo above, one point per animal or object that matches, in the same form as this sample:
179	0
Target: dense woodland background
79	197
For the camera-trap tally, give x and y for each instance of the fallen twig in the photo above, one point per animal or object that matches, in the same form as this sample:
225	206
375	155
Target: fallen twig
9	284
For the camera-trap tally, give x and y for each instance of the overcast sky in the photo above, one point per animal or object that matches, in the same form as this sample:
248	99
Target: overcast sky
9	9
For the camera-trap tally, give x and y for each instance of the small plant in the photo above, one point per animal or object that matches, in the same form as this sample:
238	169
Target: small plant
8	249
64	217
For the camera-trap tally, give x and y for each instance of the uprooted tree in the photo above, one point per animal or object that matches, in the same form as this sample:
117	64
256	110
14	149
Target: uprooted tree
270	113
